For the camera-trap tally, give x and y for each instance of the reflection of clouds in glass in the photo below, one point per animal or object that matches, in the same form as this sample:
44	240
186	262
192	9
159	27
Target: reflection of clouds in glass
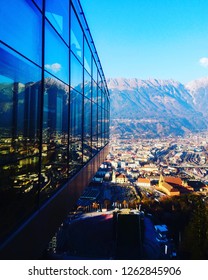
203	61
55	67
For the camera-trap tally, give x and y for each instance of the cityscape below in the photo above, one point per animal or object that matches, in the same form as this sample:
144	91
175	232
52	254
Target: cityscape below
148	200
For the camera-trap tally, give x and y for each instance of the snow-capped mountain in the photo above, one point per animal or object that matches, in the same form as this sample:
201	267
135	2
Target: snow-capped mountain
199	92
169	106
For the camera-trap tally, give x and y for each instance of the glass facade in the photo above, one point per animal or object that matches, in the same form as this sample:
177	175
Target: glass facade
54	103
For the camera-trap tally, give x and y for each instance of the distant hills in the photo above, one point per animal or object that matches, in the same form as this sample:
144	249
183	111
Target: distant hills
155	108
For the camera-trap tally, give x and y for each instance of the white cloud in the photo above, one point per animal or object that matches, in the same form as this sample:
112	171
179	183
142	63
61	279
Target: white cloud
55	67
203	61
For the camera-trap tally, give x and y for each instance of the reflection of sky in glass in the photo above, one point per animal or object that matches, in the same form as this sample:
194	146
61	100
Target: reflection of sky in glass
15	67
57	21
87	57
15	14
39	3
76	37
76	72
57	13
56	55
5	80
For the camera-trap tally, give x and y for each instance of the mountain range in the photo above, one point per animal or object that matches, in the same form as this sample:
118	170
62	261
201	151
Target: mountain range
153	108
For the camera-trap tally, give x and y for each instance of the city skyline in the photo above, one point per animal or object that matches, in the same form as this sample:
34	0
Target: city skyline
150	39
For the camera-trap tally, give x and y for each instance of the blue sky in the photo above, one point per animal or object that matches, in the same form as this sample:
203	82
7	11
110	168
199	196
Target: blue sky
163	39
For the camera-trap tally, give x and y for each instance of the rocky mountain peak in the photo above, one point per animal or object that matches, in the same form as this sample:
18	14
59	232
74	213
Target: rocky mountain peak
166	104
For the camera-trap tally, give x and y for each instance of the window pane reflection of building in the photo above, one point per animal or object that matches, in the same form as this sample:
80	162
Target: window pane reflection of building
76	37
76	74
76	119
19	137
87	144
55	136
56	62
15	17
57	12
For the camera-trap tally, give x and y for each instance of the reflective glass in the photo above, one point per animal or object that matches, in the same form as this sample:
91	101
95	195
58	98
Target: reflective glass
99	80
19	137
87	118
94	144
99	97
87	149
87	84
76	37
56	55
94	119
75	157
76	74
54	171
57	13
55	136
39	3
76	115
87	130
99	143
55	113
18	192
99	120
19	106
87	57
103	122
15	18
94	71
94	91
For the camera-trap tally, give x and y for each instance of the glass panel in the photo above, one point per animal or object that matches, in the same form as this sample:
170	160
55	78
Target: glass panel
99	120
94	71
99	142
39	3
87	149
105	100
57	13
99	80
76	37
54	170
99	97
55	113
94	145
103	122
94	91
106	121
94	121
87	84
76	74
75	157
87	130
76	115
55	136
87	118
56	55
87	57
19	106
18	192
15	18
19	138
76	119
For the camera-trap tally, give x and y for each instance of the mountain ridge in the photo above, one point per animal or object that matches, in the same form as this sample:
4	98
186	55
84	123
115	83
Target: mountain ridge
170	105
